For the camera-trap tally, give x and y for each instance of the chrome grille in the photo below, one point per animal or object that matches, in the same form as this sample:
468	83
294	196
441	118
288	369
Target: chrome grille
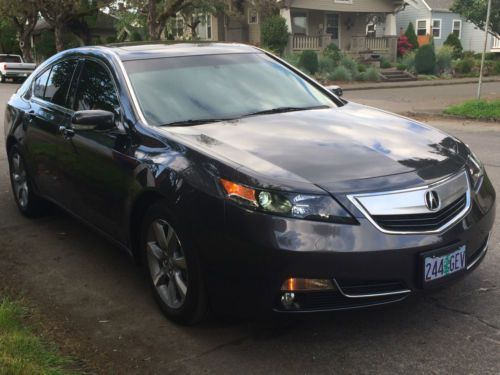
422	222
408	212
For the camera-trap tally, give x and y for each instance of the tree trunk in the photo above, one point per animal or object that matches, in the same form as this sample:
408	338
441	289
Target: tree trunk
25	46
58	33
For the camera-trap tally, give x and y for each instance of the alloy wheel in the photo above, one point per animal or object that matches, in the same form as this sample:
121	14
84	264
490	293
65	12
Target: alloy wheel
167	264
19	180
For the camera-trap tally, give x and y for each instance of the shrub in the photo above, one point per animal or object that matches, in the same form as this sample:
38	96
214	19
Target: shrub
444	59
425	60
412	36
361	68
469	55
404	45
350	64
309	61
274	33
135	36
408	60
465	65
292	59
372	75
401	66
385	63
341	73
325	64
453	42
334	53
496	69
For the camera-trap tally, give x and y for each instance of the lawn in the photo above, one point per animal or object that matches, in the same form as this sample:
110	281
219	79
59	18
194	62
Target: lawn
22	352
482	109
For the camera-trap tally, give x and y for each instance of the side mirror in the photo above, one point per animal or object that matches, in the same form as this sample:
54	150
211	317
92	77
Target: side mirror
336	90
93	120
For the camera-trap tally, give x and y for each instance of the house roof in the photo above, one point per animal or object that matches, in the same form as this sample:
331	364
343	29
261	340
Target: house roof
102	21
439	4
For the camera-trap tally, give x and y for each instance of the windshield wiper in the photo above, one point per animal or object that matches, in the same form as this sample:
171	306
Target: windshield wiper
284	109
195	122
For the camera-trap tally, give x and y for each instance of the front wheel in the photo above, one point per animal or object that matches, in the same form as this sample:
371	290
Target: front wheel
2	78
174	271
27	201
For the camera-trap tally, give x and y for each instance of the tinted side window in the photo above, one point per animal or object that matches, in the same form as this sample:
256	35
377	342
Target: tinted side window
59	82
40	84
96	89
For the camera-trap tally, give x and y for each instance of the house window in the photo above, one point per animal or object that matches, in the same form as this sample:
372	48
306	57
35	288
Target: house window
204	28
299	23
422	27
457	28
332	25
253	17
436	29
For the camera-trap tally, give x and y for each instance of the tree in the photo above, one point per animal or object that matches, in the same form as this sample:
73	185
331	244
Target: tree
275	34
70	15
412	36
425	59
475	12
23	16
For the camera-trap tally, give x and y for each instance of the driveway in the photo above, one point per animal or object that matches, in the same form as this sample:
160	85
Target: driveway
96	303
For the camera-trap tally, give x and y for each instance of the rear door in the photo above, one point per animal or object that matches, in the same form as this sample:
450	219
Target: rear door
45	142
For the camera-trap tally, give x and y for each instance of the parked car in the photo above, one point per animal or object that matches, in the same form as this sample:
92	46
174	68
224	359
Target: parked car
243	185
13	66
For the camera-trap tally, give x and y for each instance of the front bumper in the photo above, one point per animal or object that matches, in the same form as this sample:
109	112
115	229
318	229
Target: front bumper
246	265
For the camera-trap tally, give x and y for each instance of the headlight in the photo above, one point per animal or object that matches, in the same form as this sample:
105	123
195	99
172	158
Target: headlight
300	206
476	169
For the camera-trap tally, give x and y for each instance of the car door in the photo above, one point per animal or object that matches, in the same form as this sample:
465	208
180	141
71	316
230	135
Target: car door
45	143
102	165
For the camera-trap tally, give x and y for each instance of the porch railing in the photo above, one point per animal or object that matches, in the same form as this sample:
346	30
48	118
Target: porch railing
305	42
496	43
363	43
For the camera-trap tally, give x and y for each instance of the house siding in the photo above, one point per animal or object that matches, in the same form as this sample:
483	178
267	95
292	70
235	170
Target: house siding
411	14
386	6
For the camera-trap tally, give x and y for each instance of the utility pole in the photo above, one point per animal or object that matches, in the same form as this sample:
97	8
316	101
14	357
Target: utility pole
488	14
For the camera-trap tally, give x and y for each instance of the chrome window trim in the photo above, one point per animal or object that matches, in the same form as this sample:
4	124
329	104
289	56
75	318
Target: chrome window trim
353	199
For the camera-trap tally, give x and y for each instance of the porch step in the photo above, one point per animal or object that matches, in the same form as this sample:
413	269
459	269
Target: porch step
394	75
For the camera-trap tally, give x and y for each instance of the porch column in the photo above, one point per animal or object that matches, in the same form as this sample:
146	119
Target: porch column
285	13
390	25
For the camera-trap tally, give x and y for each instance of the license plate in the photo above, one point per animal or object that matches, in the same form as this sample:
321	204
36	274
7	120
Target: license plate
437	267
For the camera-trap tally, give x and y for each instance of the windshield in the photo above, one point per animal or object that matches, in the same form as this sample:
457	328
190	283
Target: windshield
10	59
212	87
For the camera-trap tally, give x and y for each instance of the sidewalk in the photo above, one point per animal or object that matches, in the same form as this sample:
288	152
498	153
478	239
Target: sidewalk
435	82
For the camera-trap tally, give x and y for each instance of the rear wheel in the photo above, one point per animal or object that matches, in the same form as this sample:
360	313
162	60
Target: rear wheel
173	267
2	78
27	201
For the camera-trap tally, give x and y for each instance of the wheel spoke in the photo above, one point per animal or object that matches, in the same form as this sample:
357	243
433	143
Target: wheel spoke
162	238
180	285
16	162
160	278
179	262
156	252
171	295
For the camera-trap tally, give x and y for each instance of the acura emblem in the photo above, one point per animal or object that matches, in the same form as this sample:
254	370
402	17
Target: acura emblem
432	200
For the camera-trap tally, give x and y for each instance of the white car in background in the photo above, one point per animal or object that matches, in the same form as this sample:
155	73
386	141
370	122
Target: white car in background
13	66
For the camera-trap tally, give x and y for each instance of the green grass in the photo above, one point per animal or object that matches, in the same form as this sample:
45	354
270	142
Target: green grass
21	351
482	109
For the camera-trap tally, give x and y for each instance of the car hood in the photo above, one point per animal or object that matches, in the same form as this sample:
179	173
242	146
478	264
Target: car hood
325	146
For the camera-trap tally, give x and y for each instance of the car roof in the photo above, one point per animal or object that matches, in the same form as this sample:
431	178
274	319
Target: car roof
143	51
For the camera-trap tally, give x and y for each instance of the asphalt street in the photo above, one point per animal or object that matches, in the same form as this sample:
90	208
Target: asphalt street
95	302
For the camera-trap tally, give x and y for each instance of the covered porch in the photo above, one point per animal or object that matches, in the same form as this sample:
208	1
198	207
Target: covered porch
357	34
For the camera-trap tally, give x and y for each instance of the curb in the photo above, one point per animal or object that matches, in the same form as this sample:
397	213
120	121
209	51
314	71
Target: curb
449	117
411	84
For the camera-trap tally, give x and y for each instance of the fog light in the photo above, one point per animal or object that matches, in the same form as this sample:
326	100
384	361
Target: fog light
300	284
288	300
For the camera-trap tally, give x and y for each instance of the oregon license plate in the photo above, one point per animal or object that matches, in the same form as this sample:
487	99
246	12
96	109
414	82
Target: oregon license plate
436	267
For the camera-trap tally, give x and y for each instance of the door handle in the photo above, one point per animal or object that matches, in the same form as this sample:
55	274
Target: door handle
65	132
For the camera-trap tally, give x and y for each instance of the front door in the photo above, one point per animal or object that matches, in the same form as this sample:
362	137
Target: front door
332	27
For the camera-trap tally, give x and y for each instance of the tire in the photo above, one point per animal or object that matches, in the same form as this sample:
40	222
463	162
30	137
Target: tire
30	204
172	266
2	78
